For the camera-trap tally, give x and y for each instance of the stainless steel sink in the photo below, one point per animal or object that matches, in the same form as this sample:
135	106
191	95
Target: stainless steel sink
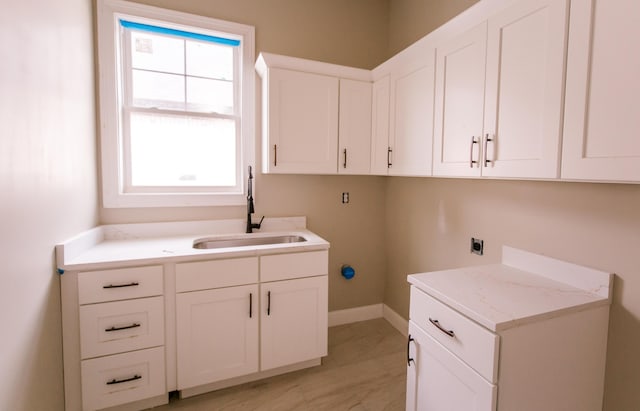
208	243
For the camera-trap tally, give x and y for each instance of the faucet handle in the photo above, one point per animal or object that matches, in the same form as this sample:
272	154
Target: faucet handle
260	223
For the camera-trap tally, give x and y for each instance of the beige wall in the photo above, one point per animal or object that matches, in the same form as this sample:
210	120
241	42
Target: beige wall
410	20
430	222
354	33
348	32
48	185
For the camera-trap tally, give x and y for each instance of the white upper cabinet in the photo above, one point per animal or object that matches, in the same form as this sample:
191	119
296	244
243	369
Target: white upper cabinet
316	117
301	123
380	150
460	77
354	137
523	95
602	114
411	117
504	121
402	114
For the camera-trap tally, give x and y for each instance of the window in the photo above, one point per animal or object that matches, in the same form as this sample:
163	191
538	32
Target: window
176	107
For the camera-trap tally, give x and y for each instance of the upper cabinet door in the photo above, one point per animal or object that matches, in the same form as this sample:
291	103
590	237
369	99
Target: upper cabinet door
602	113
354	154
302	123
526	46
459	93
411	137
380	156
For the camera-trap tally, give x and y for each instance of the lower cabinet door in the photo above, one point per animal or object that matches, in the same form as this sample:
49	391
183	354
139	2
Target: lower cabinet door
217	334
294	321
122	378
437	380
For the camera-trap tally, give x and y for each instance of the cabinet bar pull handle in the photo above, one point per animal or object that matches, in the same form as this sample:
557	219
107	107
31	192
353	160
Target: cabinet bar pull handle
409	359
126	327
114	381
133	284
268	302
471	160
437	324
275	155
250	305
486	155
344	165
389	151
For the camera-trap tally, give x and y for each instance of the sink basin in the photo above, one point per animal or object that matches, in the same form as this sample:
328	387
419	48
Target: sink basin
208	243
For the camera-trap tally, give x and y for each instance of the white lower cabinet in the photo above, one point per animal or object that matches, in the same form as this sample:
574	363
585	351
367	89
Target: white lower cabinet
529	334
217	334
438	380
273	315
114	338
294	321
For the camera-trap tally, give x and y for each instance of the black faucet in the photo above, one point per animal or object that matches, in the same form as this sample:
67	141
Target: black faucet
250	210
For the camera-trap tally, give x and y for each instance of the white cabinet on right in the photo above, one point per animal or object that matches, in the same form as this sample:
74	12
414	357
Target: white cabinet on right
602	114
294	301
499	90
529	334
402	116
294	321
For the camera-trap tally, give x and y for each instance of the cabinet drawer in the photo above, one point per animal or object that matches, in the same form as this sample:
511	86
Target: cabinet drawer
286	266
123	378
114	327
119	284
204	275
473	344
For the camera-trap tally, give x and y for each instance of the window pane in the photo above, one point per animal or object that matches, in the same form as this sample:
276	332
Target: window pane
182	151
158	90
209	95
157	53
209	60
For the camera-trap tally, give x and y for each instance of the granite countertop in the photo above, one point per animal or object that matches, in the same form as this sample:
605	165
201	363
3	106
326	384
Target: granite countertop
119	245
524	288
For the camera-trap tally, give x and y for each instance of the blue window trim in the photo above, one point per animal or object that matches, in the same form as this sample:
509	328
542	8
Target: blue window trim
178	33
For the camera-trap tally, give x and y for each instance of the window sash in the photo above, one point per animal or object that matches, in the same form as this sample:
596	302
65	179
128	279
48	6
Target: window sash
128	107
127	168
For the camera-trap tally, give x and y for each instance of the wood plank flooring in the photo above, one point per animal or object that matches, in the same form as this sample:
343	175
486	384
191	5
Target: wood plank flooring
364	371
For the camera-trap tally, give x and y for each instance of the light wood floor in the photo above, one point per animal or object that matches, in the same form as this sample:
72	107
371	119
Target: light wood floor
364	371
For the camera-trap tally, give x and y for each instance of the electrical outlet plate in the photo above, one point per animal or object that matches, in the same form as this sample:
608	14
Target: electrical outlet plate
477	246
345	198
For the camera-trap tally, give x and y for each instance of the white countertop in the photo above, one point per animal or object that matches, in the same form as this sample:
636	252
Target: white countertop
526	287
156	243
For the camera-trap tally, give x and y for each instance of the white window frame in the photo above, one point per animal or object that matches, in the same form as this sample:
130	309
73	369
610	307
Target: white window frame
114	192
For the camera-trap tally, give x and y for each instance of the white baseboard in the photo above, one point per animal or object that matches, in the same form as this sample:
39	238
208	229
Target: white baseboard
353	315
369	312
395	320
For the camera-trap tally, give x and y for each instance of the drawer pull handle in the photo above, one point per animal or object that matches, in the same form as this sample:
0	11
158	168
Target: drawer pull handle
486	155
126	327
471	160
133	284
269	303
409	359
114	381
437	324
250	305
